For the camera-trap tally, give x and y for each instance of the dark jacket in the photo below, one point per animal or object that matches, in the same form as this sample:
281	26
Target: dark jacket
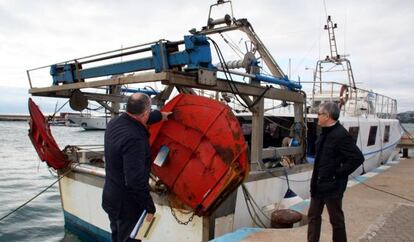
127	165
337	156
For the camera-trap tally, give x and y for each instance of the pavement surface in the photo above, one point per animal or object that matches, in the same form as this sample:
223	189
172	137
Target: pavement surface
378	206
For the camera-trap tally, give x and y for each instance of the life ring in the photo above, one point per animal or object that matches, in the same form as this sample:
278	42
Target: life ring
343	95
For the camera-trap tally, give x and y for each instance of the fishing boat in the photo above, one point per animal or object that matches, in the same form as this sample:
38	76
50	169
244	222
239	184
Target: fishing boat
92	120
88	122
257	158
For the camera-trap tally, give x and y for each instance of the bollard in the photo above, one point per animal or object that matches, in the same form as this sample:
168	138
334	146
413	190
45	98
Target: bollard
405	153
285	218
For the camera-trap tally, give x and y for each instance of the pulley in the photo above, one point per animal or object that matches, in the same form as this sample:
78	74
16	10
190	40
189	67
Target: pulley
78	101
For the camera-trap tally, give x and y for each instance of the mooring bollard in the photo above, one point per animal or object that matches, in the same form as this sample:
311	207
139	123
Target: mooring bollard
405	153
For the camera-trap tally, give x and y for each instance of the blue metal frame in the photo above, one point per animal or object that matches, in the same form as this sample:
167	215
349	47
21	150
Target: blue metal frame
280	81
197	54
140	90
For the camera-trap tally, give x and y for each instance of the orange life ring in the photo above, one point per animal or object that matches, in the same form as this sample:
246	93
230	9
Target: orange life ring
343	95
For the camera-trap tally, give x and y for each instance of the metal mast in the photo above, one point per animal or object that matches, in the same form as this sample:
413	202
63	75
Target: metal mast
334	59
330	26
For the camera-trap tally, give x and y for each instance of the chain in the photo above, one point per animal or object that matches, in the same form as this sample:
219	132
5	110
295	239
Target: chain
177	219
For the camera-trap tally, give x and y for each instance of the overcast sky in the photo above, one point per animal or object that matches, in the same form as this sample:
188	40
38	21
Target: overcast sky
377	35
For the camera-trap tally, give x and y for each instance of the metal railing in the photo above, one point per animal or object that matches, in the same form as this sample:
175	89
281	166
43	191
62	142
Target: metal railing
353	101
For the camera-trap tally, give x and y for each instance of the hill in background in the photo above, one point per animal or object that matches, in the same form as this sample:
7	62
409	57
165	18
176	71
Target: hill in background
406	117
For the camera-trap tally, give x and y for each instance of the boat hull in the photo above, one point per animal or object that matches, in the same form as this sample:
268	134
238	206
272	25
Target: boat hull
89	122
81	194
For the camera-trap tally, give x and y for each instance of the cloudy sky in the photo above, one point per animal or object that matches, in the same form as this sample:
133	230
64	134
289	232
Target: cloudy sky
377	34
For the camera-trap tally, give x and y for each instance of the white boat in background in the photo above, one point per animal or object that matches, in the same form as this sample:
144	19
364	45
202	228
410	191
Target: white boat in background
87	121
368	116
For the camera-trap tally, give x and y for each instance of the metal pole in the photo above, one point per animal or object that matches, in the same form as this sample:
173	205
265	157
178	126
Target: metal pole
28	77
257	127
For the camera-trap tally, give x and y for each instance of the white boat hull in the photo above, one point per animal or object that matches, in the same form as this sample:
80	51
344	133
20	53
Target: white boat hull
90	122
81	193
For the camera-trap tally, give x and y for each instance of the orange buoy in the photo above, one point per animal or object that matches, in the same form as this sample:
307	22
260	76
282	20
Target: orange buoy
207	157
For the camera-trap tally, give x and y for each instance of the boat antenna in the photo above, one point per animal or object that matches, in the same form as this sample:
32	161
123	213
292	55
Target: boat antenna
330	26
326	11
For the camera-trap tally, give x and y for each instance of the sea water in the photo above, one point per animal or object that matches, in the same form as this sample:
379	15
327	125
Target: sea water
23	175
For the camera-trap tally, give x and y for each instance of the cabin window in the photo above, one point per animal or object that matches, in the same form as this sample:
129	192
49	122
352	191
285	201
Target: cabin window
372	135
387	134
354	131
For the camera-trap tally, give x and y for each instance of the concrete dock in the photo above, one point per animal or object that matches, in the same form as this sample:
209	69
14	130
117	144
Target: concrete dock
14	117
371	215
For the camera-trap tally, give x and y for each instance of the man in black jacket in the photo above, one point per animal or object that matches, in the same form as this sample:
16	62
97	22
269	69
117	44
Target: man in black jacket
337	156
127	165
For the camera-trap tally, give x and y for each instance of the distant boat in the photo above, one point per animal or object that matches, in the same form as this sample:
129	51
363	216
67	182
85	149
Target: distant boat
87	121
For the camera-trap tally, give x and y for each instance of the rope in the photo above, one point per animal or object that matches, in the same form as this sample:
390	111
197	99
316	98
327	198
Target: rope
53	116
231	82
31	199
407	133
380	190
290	180
248	200
277	124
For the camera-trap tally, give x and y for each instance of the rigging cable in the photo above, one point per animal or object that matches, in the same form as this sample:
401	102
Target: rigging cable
326	11
249	200
409	135
270	173
41	192
232	46
51	117
231	82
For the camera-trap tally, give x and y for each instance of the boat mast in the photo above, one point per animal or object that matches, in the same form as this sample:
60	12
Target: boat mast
334	59
330	26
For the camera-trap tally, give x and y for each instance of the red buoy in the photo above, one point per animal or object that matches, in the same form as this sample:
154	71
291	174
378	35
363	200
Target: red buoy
42	139
207	157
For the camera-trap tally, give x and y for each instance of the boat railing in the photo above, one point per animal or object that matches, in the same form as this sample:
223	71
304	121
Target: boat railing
353	101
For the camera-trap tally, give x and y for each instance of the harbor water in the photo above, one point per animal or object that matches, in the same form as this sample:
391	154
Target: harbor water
23	175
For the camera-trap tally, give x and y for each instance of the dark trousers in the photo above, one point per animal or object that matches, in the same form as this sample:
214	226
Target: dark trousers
336	217
121	229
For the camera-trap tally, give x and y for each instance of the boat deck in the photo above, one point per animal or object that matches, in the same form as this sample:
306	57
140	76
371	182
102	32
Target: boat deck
371	215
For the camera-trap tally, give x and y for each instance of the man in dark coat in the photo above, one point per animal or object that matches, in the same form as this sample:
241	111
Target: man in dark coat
337	156
126	191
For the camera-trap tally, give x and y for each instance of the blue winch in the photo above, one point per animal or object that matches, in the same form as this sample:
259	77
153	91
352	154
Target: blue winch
164	56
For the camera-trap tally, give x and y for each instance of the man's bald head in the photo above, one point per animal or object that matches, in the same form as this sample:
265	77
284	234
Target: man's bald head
138	103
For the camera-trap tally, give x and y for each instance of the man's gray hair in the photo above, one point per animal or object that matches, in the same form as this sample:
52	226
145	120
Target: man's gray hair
331	109
138	103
